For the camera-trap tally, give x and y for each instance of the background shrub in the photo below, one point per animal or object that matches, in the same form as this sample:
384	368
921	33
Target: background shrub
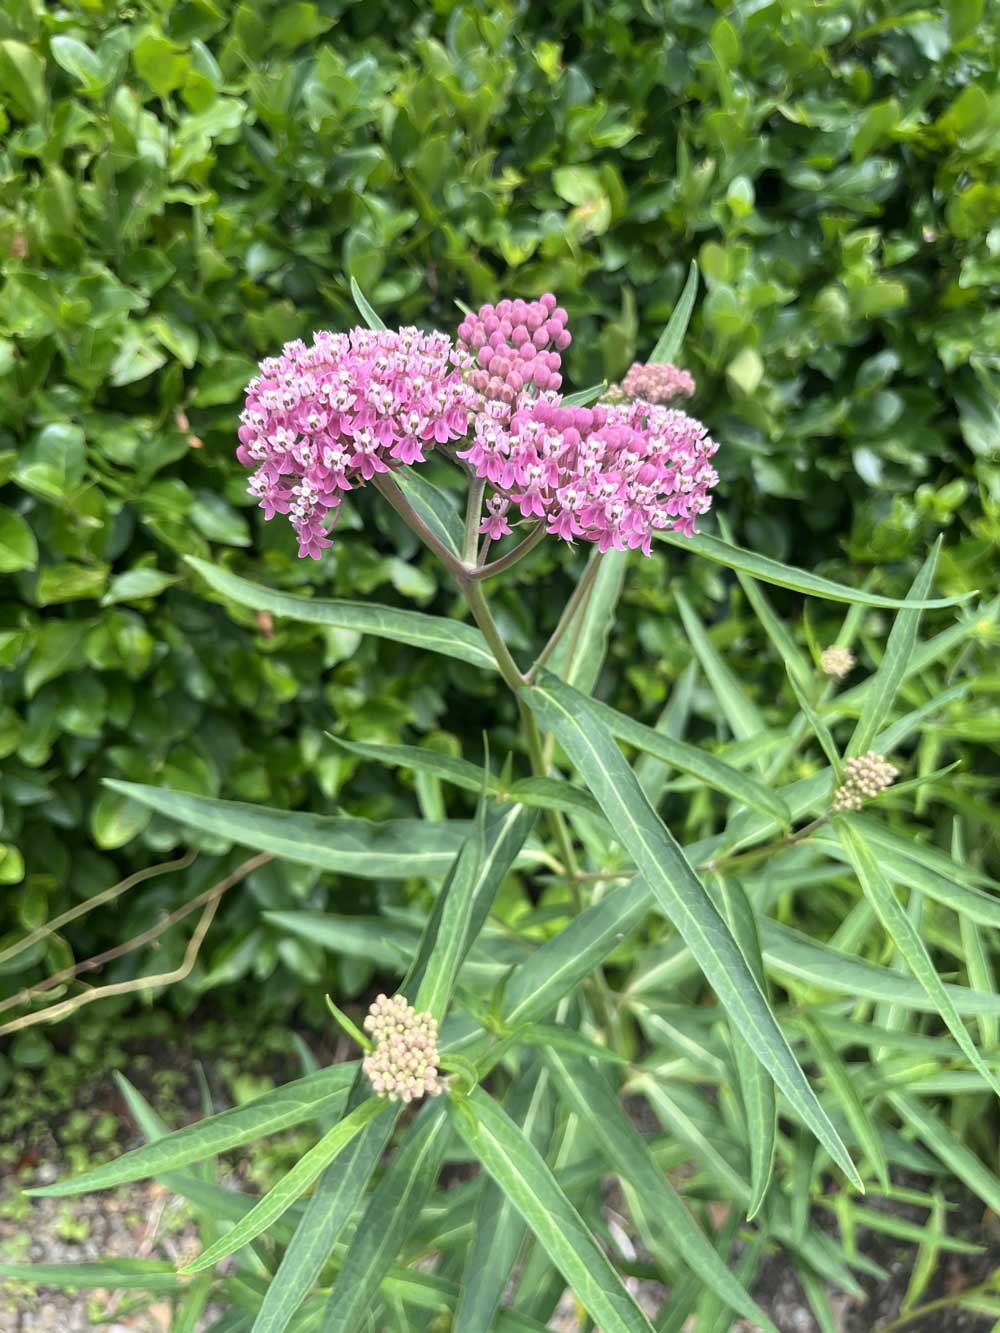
184	188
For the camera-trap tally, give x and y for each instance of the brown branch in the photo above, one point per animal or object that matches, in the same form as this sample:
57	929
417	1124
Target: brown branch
98	900
208	901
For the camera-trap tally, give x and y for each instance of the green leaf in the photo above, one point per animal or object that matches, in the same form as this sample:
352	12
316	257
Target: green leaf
584	397
391	1213
670	340
843	1089
756	1085
364	309
716	773
291	1185
395	848
784	576
78	60
498	1229
537	985
137	584
146	1274
455	921
520	1171
680	895
432	633
160	62
906	937
664	1222
945	1145
654	774
898	651
334	1200
789	954
18	548
738	708
580	654
543	792
22	80
912	872
285	1106
433	506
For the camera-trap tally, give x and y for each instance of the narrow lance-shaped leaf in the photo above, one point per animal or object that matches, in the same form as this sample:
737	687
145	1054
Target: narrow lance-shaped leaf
961	1161
784	576
146	1274
433	506
715	772
274	1111
839	1082
291	1186
661	1215
520	1171
790	954
434	634
681	896
392	849
392	1211
654	774
499	1229
458	904
898	651
907	939
580	654
538	984
756	1085
505	834
333	1202
671	339
364	309
738	708
539	792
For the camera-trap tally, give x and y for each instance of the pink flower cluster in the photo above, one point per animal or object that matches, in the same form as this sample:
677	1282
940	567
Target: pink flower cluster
610	475
513	346
321	419
657	382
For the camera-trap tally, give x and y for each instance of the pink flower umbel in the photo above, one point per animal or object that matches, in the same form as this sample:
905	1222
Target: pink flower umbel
610	475
322	419
513	348
656	382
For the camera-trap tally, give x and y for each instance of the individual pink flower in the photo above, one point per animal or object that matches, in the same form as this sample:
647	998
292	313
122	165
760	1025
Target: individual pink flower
322	419
612	475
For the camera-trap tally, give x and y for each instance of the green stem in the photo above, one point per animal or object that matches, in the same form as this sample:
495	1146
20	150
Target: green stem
755	853
389	489
513	556
483	617
473	510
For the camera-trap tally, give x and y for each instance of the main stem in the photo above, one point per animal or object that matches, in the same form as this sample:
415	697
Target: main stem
466	575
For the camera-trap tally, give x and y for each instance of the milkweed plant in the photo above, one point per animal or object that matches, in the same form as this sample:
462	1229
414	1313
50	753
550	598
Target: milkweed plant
623	1100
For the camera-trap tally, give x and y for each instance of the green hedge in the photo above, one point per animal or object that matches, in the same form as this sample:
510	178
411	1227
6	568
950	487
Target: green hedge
183	189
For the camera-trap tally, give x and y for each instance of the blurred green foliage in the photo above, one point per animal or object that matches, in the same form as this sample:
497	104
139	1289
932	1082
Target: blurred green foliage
184	185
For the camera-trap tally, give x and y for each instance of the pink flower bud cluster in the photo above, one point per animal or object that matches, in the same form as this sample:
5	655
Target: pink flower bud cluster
513	346
864	777
612	475
403	1064
322	419
836	662
656	382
